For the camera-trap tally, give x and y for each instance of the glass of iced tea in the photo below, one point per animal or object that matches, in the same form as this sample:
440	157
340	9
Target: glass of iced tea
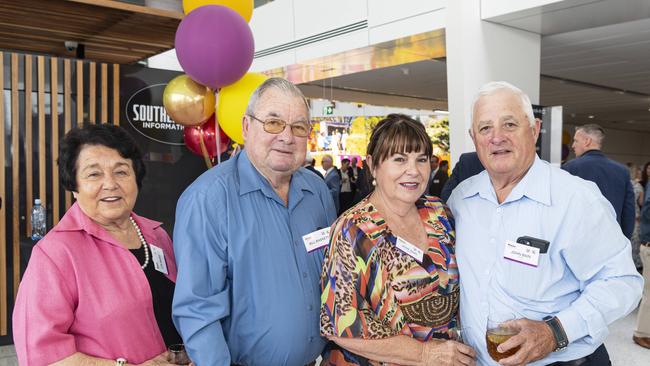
498	333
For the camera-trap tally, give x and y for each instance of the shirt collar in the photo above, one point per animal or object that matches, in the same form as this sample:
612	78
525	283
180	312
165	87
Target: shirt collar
250	179
76	220
593	152
536	185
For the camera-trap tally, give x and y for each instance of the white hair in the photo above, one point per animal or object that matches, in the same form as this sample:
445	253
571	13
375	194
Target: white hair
495	86
283	85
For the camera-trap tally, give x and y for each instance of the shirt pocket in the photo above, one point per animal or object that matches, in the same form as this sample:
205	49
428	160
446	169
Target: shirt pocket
525	281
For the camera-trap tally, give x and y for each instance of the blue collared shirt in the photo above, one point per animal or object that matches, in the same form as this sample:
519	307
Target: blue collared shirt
587	279
247	290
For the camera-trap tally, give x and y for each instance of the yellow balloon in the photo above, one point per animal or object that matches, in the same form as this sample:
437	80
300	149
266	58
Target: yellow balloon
187	102
243	7
232	101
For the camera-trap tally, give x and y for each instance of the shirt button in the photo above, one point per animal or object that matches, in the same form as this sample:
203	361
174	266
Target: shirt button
310	307
487	272
492	240
311	339
304	274
498	209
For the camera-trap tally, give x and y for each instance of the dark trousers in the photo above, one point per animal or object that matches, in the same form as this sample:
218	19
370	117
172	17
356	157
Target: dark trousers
600	357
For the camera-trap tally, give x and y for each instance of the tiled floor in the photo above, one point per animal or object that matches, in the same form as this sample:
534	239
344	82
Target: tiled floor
622	350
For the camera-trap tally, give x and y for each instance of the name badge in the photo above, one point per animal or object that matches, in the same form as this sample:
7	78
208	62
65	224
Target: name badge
158	257
410	249
316	239
521	253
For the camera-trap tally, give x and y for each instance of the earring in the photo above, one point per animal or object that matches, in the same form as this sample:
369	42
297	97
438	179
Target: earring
374	182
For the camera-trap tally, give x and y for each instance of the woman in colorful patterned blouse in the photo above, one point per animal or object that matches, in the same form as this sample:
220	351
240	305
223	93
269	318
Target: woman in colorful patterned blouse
390	280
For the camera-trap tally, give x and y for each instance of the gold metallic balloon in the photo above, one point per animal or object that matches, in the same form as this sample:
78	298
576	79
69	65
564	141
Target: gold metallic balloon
187	102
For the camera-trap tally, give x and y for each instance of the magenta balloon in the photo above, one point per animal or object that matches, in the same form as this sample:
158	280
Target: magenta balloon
214	45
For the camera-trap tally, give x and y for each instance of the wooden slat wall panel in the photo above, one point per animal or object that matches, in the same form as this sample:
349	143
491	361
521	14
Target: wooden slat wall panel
80	92
15	172
3	214
33	148
92	92
29	189
104	93
67	112
116	94
41	130
54	102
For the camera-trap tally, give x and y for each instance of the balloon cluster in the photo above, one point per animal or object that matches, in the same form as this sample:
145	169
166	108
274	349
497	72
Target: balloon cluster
215	48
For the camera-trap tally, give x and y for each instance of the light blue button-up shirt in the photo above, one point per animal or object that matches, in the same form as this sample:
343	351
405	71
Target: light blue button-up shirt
247	290
587	279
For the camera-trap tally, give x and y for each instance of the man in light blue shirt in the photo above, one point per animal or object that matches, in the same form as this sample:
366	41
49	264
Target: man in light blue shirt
247	291
565	293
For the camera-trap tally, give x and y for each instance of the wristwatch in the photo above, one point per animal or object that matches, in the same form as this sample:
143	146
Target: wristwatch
558	332
120	361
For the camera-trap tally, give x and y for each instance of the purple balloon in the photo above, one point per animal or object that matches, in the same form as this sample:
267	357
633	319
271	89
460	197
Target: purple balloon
214	45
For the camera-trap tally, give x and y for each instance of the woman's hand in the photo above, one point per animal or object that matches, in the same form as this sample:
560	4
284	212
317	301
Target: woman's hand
160	360
448	353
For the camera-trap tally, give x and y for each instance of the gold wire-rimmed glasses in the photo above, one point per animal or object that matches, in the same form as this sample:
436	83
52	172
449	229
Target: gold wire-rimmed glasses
276	126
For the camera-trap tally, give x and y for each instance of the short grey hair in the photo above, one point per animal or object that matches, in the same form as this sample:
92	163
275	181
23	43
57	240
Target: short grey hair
283	85
594	131
495	86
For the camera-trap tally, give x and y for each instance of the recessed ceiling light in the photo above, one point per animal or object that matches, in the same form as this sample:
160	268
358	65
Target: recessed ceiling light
591	116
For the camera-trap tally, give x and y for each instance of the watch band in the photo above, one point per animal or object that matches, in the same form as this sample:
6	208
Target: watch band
120	361
558	332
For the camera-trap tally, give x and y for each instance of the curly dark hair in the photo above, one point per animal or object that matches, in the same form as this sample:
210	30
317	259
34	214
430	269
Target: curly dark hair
111	136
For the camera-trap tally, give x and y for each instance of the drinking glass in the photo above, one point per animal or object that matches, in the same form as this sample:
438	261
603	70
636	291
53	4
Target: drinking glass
498	333
177	355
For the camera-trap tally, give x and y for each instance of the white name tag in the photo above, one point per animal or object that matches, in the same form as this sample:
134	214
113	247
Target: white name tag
158	257
316	239
409	249
520	253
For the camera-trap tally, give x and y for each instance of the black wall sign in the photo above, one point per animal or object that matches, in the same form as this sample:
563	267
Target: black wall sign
146	114
171	167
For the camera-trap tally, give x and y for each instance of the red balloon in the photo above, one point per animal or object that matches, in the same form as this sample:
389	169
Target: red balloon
192	136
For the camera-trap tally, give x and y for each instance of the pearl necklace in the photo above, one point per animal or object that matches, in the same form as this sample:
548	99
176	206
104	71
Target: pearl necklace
144	242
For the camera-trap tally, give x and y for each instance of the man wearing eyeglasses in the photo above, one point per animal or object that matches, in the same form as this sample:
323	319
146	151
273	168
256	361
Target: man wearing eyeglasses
612	178
248	243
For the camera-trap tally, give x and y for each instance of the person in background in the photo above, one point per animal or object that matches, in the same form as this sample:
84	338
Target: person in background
348	181
581	279
638	202
468	165
642	333
434	169
98	288
612	178
310	164
248	280
332	179
645	182
390	282
361	186
439	179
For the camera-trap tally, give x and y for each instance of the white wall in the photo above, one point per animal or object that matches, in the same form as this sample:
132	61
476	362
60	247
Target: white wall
284	21
494	8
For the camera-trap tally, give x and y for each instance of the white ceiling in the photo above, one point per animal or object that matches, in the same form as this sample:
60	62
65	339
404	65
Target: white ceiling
603	72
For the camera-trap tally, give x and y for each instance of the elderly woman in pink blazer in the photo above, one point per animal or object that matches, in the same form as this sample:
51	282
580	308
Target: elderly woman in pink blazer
99	285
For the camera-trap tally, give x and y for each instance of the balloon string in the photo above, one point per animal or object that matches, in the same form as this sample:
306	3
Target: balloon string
217	140
204	150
